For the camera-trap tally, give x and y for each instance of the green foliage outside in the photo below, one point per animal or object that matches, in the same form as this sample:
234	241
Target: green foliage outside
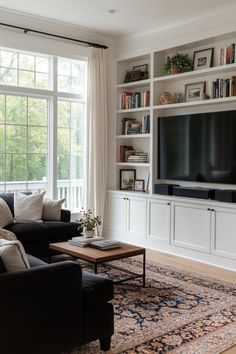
24	139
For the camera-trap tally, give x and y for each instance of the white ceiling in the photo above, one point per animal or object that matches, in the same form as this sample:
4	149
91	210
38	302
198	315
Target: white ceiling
133	15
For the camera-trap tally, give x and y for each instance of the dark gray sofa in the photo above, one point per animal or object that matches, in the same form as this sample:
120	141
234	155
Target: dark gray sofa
53	308
36	236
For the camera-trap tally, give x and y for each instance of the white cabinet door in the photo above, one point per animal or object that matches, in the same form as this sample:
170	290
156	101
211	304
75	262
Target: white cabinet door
158	216
191	226
136	217
224	232
116	215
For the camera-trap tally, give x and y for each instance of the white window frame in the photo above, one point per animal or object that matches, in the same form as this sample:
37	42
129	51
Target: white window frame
54	96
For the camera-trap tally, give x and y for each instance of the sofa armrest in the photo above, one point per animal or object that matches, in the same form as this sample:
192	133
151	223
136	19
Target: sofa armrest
65	215
42	306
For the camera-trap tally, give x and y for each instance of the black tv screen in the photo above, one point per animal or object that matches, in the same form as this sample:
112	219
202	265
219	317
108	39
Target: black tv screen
198	147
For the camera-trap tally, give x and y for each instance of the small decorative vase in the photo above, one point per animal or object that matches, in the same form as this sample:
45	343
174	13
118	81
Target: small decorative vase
166	98
88	233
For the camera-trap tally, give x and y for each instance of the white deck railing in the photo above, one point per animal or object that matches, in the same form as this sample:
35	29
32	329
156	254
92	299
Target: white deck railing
71	190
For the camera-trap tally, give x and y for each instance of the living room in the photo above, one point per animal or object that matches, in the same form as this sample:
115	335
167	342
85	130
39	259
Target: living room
94	118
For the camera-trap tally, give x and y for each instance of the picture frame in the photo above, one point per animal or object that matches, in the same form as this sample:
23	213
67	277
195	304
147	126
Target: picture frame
127	178
203	59
195	91
139	72
139	185
143	67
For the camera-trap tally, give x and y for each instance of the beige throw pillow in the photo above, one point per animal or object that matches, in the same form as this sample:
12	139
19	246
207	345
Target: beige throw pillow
28	207
6	217
13	256
52	209
7	235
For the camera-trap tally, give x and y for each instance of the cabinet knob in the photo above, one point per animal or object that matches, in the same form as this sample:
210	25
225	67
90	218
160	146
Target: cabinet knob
212	209
168	203
208	209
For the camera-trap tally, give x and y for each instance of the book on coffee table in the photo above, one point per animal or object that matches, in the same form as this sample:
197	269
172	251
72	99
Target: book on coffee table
82	241
105	244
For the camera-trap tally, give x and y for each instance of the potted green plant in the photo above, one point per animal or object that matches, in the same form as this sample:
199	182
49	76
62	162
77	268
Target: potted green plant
89	222
178	63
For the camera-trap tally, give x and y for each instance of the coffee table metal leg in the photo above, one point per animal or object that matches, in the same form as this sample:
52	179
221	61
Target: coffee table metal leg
144	269
95	268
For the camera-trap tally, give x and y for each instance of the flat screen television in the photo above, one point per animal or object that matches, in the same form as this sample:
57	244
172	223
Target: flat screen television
198	147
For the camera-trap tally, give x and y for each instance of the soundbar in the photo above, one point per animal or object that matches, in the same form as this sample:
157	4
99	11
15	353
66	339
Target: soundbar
164	188
194	192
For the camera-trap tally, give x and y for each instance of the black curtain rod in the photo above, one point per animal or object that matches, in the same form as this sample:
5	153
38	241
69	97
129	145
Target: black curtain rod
26	30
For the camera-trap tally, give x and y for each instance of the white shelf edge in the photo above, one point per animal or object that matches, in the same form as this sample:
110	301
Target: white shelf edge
134	84
196	103
140	109
133	136
220	68
140	164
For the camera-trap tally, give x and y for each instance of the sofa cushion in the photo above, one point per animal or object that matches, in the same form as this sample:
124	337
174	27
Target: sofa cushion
9	199
52	209
50	231
7	235
13	255
35	262
28	207
96	290
6	217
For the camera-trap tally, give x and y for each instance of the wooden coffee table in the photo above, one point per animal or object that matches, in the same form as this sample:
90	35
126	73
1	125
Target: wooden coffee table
97	257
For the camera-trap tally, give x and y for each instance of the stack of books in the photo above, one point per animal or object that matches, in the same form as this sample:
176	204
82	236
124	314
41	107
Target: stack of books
224	87
82	241
138	157
226	55
105	245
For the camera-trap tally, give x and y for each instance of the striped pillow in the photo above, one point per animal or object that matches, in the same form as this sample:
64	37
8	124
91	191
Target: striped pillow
13	255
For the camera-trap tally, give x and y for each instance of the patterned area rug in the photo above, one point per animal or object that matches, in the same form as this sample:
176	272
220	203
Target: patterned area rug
178	312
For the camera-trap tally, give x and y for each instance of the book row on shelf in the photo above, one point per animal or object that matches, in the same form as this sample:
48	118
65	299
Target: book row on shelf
128	154
224	87
133	126
129	100
226	55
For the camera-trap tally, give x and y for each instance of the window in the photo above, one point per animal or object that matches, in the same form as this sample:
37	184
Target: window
34	155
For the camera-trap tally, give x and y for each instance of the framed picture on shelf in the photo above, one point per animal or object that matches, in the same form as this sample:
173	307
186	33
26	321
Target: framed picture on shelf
195	91
143	67
139	185
127	178
203	59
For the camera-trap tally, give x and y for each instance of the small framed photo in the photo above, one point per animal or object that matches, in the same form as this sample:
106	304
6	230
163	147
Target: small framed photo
195	91
203	59
143	67
139	185
127	178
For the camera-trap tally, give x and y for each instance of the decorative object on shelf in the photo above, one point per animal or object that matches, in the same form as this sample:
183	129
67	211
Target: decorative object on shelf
166	98
139	185
203	59
179	97
226	55
195	91
139	72
127	178
178	63
89	223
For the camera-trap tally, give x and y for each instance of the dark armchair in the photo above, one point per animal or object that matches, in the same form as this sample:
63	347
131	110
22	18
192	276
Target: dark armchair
51	309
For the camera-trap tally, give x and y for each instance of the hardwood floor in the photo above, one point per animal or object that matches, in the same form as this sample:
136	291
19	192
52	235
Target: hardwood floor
194	266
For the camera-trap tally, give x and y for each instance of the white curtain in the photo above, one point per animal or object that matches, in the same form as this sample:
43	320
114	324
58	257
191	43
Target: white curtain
96	132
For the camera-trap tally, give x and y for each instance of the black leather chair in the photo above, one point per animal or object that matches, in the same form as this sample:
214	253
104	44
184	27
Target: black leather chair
53	308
